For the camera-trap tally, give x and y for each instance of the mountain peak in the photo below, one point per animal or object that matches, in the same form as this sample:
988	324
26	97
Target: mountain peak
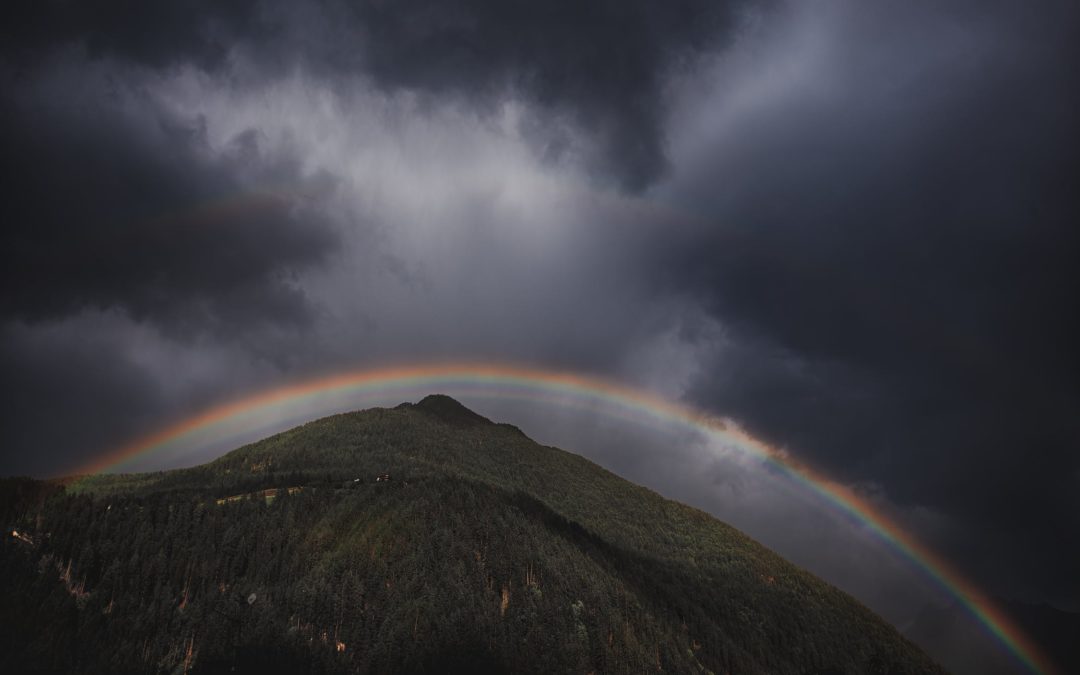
450	411
484	550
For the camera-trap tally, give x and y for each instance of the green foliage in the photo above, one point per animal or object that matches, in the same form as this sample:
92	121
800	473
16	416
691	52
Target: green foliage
485	552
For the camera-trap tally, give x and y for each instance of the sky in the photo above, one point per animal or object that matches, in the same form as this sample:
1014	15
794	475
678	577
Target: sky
849	226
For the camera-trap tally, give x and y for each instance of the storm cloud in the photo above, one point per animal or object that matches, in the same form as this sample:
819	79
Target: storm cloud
849	227
892	250
596	68
114	203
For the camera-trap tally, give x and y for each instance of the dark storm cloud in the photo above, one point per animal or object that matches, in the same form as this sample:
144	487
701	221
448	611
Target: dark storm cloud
65	397
112	203
857	240
894	258
598	68
603	63
154	34
125	232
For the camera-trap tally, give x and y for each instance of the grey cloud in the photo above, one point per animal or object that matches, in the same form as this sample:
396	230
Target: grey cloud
66	397
161	34
114	203
892	252
857	239
602	63
600	66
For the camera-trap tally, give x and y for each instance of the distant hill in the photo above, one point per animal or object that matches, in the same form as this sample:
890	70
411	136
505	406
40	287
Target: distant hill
483	552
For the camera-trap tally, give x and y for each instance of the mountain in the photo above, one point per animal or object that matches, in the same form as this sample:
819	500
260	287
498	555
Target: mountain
480	551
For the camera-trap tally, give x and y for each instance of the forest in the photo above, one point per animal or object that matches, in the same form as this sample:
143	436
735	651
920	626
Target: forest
483	551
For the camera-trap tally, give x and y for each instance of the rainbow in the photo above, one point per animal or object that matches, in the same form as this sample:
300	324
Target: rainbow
343	391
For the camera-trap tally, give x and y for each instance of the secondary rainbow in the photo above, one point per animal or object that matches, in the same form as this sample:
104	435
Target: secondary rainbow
499	380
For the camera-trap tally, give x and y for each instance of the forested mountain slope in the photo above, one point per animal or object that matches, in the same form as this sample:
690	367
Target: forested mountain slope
483	552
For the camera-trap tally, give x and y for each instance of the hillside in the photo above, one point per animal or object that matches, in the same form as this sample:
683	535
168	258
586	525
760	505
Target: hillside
485	552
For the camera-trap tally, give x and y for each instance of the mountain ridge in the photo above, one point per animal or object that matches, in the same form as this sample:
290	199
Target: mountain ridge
483	548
